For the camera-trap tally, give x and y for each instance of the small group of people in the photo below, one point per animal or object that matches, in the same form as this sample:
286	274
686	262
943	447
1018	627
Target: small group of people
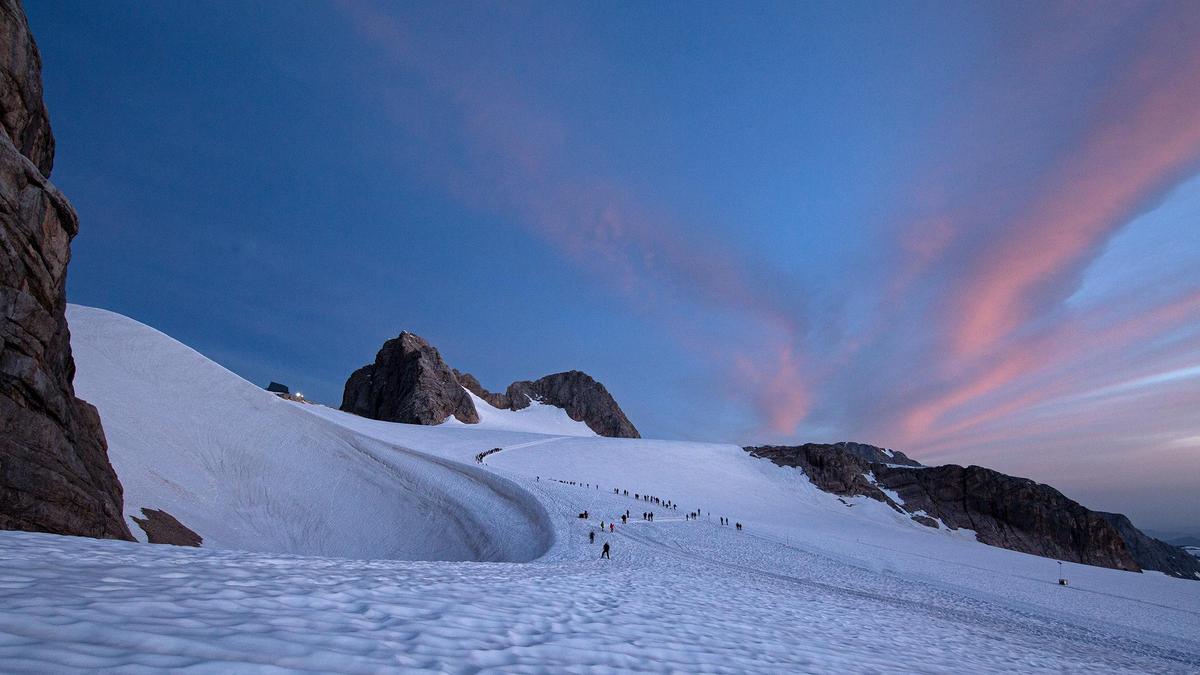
648	515
592	540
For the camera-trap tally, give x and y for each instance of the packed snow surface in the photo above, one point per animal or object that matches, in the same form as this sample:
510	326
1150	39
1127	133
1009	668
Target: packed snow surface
812	583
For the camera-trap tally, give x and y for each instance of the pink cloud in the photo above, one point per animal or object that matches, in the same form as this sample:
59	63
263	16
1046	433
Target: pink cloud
1144	139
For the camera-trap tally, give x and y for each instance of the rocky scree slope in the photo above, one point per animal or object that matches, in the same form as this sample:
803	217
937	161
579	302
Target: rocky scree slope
55	475
409	382
1004	511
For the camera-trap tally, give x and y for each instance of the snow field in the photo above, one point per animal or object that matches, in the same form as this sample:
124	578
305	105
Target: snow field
811	585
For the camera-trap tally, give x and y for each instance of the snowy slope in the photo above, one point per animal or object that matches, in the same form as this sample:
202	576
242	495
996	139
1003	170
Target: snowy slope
780	506
537	418
248	470
812	585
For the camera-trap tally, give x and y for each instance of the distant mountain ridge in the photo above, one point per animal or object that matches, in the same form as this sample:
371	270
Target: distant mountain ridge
410	382
1005	511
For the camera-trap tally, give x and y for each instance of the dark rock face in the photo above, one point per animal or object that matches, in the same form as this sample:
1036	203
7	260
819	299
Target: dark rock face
584	399
872	453
162	528
468	380
54	470
1010	512
1153	554
1004	511
26	122
409	382
830	467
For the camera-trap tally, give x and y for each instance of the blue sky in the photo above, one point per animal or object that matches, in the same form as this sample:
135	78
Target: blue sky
964	230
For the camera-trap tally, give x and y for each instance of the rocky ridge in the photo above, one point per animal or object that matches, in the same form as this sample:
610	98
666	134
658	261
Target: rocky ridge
1005	511
409	382
54	475
582	397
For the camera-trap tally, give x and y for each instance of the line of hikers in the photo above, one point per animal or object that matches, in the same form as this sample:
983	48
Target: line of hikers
665	503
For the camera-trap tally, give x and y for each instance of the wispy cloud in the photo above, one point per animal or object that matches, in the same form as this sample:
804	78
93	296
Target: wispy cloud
516	158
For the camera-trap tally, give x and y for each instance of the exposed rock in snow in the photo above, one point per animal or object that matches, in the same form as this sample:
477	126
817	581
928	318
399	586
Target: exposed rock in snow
584	399
832	468
162	528
1002	510
55	474
1010	512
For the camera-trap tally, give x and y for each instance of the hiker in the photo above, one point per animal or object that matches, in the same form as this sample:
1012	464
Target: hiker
611	527
591	536
739	527
624	520
604	553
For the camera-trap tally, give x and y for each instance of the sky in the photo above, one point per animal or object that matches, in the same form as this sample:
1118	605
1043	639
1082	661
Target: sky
968	231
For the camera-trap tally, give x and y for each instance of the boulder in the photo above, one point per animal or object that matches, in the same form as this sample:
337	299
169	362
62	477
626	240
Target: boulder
55	475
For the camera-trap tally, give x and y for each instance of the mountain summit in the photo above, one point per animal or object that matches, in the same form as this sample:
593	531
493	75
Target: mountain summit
410	382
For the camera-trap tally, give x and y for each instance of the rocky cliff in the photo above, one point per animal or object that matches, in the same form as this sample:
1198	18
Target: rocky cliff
582	397
1154	554
1005	511
54	470
409	382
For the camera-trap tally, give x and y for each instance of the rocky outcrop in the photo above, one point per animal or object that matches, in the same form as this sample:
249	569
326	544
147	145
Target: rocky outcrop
582	397
1010	512
54	470
501	401
408	382
872	453
1153	554
162	528
1004	511
832	468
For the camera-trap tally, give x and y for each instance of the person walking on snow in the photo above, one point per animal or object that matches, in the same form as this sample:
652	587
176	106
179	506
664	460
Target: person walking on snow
604	553
591	536
611	527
